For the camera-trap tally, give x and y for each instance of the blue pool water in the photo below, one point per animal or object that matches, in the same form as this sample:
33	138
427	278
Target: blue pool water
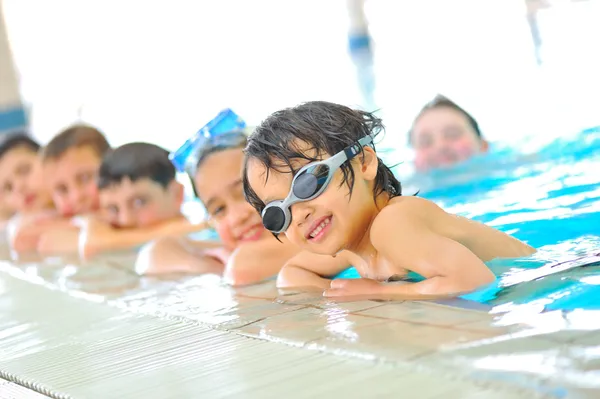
550	199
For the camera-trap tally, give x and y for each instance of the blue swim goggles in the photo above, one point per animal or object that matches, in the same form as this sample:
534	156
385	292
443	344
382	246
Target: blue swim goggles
220	131
308	183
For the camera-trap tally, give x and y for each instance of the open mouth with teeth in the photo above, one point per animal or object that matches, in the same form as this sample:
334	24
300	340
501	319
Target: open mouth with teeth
319	229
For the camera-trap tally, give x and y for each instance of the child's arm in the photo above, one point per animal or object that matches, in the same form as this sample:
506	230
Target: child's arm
308	269
255	261
97	236
406	240
59	241
180	255
25	231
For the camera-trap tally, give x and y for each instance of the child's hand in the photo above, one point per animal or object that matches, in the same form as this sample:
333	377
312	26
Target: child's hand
354	287
24	231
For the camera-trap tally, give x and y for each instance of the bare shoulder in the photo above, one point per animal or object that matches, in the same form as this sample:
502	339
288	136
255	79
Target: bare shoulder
402	212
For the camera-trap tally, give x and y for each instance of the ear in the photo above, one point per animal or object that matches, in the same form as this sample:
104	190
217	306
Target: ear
178	191
484	146
369	163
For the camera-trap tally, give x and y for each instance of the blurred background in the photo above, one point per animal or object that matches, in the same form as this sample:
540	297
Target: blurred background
158	70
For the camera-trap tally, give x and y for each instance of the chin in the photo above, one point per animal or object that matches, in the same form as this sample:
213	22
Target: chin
323	249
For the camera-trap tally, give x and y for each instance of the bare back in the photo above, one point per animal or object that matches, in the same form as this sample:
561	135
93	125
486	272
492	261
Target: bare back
484	241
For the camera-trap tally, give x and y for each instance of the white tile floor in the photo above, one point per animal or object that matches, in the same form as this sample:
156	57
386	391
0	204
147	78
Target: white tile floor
182	338
67	347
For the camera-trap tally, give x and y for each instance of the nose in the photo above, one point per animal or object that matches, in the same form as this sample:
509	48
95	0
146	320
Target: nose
300	212
20	186
126	219
239	213
77	199
439	144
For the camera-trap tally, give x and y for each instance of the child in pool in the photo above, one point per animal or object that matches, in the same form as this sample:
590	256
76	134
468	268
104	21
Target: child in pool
25	195
138	200
70	163
313	174
247	252
21	182
443	134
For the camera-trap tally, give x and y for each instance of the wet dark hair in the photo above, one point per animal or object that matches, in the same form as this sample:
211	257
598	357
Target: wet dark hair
136	161
441	101
327	128
11	141
76	136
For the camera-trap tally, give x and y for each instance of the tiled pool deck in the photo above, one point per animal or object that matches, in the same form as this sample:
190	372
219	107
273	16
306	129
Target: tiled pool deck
150	338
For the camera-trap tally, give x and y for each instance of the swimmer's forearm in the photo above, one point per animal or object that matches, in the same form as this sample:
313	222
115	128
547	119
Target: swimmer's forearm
176	228
171	255
59	242
432	288
125	239
256	261
297	277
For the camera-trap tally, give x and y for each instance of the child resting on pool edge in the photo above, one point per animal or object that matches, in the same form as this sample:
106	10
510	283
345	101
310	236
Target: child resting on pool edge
139	200
246	252
357	215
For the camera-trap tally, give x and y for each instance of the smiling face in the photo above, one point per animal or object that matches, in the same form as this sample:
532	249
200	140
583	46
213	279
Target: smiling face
442	136
334	220
22	185
72	180
218	182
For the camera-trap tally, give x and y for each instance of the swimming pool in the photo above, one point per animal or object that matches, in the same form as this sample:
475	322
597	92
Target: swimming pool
549	198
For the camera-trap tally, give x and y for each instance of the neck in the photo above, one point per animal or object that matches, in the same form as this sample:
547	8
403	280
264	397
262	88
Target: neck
362	250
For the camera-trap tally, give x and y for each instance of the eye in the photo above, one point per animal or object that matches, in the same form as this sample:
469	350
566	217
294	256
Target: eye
23	170
217	211
7	188
423	141
139	202
453	133
61	189
85	177
113	210
238	192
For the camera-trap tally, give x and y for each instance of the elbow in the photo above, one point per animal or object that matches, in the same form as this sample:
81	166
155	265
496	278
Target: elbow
483	279
239	272
288	276
153	257
488	277
243	269
239	277
283	278
145	261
